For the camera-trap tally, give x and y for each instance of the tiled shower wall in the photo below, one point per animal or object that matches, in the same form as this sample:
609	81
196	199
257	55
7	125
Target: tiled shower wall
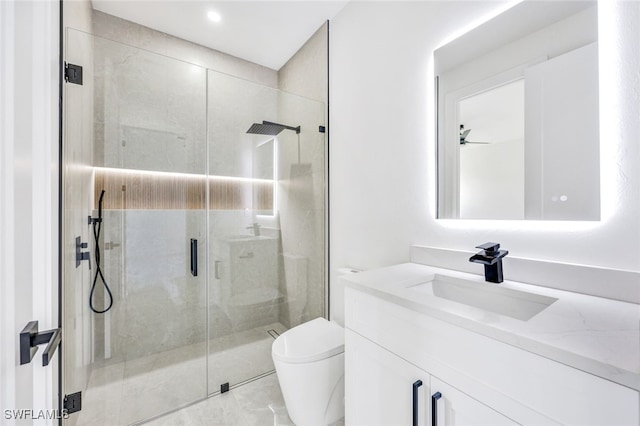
164	109
120	30
302	183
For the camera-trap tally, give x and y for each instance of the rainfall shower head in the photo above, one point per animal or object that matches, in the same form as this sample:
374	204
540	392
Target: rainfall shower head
269	128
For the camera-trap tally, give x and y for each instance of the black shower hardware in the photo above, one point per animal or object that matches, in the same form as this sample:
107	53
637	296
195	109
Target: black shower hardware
97	227
491	257
194	257
82	255
270	128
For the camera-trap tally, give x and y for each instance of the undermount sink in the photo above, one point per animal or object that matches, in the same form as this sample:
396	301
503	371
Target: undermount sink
516	304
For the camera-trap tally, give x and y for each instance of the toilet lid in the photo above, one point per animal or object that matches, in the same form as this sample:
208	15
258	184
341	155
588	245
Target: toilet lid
311	341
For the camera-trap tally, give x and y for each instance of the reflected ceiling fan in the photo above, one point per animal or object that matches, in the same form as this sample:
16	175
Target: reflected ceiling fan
463	137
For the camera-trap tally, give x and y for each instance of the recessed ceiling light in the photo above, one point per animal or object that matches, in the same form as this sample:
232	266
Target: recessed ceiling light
214	16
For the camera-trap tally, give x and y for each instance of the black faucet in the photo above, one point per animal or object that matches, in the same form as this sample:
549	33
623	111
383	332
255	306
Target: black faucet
491	257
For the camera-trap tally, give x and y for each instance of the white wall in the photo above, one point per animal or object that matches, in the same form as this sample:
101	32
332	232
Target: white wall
382	142
28	198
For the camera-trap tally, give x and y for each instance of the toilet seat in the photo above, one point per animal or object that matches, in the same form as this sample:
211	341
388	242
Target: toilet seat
312	341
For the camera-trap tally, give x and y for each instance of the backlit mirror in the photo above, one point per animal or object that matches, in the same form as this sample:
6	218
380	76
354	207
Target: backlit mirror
518	116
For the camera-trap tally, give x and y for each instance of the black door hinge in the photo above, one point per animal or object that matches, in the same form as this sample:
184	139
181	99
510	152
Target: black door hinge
224	387
73	402
73	73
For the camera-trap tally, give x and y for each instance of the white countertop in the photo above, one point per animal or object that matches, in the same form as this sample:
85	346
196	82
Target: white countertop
596	335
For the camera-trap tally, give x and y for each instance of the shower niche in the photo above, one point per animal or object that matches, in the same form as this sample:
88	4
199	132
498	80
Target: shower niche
172	150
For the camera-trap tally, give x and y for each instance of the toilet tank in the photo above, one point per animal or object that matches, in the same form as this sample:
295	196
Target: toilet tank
337	294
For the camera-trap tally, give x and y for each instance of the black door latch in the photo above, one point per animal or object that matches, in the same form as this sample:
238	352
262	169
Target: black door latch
30	339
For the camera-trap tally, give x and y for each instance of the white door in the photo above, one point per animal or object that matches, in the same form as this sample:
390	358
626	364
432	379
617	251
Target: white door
380	386
29	51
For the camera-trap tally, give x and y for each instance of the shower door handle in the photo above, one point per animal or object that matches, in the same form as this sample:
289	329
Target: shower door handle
217	269
194	257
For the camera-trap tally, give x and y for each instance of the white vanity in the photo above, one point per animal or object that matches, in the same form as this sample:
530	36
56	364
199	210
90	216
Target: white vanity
502	354
432	346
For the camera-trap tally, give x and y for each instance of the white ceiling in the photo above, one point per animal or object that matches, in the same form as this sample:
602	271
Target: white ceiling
264	32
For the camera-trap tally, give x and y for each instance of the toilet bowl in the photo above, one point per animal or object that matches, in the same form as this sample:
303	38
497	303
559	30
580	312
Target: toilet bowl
309	361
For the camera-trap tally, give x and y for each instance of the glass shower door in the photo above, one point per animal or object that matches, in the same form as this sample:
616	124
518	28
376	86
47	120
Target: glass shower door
185	181
147	354
266	223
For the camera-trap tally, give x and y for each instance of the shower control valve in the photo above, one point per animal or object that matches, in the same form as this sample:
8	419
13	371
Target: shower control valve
93	220
82	255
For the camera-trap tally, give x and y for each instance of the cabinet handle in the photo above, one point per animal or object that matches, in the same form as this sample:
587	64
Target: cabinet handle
416	385
434	408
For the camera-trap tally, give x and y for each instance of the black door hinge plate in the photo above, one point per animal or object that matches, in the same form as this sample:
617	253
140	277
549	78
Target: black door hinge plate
73	402
224	387
321	129
73	73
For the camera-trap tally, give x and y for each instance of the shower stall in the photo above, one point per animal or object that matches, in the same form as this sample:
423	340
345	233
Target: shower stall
213	234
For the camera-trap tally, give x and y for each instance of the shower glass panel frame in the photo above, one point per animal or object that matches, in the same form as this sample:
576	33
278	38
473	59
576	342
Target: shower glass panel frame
145	123
171	149
267	235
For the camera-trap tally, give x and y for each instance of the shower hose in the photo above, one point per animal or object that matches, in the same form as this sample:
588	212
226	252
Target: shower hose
97	227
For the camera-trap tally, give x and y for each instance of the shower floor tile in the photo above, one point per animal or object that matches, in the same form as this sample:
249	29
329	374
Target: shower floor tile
256	403
131	391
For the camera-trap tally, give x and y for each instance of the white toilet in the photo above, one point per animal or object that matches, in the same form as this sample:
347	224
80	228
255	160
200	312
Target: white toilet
309	362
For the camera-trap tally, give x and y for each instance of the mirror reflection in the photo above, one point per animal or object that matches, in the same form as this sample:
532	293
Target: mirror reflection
517	103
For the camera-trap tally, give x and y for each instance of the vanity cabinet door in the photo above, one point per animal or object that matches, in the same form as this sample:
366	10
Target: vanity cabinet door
380	386
453	408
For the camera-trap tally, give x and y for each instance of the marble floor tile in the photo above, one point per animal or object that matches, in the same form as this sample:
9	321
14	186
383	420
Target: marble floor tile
131	391
220	410
162	388
223	368
101	405
249	355
256	403
262	403
106	375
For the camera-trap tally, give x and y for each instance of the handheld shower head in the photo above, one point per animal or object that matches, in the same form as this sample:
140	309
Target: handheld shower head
100	204
97	228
